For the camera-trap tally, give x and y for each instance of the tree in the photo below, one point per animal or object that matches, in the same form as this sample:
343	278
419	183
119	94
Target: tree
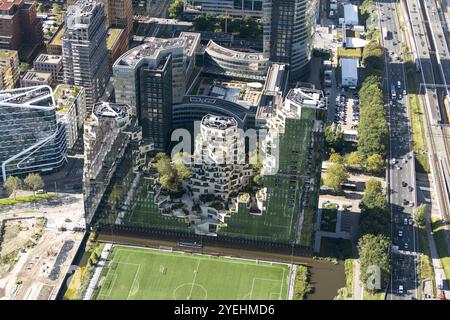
171	175
336	158
420	215
56	9
334	137
375	163
34	181
176	9
355	159
336	175
40	8
12	184
375	217
374	255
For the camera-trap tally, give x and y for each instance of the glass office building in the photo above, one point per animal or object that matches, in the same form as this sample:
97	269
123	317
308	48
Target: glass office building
31	139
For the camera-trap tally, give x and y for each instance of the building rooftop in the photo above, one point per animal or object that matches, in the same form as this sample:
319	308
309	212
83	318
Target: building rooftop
148	50
213	47
79	14
8	4
65	95
108	110
306	97
4	53
57	39
38	76
49	58
113	36
218	122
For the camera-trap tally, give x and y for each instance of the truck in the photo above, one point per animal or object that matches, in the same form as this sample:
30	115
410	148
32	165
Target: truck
385	33
393	92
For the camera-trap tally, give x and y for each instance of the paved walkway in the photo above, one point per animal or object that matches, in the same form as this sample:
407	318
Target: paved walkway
97	272
357	287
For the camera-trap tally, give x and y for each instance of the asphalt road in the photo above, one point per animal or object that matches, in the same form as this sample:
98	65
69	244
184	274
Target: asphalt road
401	170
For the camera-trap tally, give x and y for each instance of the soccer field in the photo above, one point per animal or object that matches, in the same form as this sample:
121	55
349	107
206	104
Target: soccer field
135	273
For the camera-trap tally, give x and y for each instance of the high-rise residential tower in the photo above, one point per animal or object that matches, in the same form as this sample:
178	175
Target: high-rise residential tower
120	14
287	33
85	57
31	139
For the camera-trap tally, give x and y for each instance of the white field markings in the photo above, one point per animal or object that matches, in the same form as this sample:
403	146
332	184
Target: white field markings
280	283
132	292
195	277
235	260
112	273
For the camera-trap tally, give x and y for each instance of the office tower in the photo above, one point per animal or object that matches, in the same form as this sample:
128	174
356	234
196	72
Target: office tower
85	57
31	139
105	141
229	7
9	69
71	110
19	27
151	78
219	158
120	14
287	33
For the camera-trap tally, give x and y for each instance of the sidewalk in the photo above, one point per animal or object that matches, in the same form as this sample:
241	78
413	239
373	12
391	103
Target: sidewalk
357	287
97	272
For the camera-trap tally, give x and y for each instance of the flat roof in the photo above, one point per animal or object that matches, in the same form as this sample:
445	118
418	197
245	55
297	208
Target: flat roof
306	97
37	76
228	53
57	40
49	58
351	13
4	53
113	36
349	68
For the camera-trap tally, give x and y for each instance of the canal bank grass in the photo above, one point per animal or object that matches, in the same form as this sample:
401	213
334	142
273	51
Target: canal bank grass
441	244
302	285
426	271
346	293
375	296
138	273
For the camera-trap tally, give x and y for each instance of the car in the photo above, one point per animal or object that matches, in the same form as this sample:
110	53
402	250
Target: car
399	84
404	161
400	233
411	204
404	92
405	202
411	222
398	167
410	189
394	161
405	221
400	289
404	184
406	245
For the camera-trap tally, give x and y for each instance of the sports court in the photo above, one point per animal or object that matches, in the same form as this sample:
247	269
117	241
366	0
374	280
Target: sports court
138	273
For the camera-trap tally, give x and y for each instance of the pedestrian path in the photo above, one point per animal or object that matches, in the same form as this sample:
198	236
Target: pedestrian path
97	272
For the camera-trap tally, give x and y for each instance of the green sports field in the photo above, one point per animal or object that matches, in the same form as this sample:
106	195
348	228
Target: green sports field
135	273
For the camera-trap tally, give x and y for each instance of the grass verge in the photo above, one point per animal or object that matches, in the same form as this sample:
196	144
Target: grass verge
302	285
426	271
441	244
26	199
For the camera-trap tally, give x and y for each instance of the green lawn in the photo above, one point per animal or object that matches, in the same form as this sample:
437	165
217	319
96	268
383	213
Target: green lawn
441	244
11	201
135	273
375	296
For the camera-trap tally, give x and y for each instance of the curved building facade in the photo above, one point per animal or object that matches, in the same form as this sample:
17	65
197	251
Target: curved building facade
238	64
31	139
194	108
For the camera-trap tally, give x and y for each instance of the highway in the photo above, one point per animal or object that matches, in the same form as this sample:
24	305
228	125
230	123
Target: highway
431	51
401	168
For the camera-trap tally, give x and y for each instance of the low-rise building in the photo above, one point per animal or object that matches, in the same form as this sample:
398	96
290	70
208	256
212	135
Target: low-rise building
9	69
35	78
349	70
49	63
71	110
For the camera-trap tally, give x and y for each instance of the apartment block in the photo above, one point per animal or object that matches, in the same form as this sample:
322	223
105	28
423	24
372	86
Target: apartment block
35	78
9	69
71	110
49	63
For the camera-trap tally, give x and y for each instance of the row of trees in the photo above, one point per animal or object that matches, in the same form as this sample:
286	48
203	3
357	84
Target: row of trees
337	171
176	9
32	181
242	27
374	245
373	128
